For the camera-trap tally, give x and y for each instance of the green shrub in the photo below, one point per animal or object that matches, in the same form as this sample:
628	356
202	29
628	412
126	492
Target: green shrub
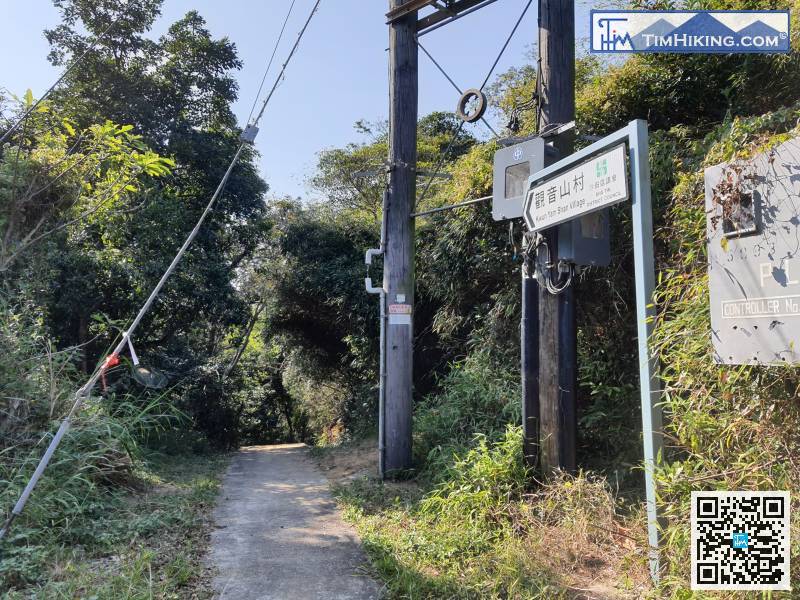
479	395
728	427
97	458
487	478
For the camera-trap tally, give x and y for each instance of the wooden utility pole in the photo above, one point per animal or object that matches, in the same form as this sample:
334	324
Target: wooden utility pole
557	330
398	278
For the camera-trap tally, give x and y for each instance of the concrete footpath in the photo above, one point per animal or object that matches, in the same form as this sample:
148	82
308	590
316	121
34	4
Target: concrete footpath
279	534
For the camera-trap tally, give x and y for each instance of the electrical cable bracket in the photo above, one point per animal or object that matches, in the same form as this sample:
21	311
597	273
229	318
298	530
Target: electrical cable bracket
248	136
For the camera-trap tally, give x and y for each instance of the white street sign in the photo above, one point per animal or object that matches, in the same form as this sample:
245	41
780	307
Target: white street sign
591	186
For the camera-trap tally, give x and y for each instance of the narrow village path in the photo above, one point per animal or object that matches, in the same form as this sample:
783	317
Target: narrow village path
279	534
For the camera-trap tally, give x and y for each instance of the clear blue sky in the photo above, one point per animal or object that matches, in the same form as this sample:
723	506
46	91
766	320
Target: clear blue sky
338	76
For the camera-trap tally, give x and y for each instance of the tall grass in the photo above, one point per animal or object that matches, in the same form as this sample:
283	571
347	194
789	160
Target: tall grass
479	395
475	523
484	531
97	458
728	427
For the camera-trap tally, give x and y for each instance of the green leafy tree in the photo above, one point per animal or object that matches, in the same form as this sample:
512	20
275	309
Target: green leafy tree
59	176
353	178
177	92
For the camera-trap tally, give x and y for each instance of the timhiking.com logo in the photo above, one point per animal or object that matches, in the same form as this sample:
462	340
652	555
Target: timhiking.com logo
690	31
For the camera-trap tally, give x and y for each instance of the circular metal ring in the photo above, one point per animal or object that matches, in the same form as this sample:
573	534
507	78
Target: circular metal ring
478	113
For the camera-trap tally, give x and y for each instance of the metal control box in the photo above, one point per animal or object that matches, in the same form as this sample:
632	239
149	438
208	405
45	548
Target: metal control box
753	230
586	241
512	168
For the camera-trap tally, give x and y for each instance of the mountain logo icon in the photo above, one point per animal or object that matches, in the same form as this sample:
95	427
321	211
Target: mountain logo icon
704	32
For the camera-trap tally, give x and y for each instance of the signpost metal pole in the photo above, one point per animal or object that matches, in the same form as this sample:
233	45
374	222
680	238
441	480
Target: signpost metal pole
529	341
644	270
635	134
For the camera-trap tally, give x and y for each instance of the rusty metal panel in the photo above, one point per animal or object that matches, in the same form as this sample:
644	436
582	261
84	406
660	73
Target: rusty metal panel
753	229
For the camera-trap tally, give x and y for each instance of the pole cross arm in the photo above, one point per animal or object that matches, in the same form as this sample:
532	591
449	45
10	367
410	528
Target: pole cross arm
406	9
451	13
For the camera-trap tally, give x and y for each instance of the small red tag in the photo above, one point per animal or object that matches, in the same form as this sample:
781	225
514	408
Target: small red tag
399	309
112	360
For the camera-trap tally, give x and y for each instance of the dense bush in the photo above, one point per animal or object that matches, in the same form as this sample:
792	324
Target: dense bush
97	457
728	427
478	396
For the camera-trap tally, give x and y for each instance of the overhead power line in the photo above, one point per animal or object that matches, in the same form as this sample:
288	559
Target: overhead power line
288	59
87	388
271	58
71	66
483	85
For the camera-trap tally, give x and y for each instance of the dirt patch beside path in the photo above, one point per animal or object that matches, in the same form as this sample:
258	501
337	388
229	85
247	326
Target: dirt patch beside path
348	461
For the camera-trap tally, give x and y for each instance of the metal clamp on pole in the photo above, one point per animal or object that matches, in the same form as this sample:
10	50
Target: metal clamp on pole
368	280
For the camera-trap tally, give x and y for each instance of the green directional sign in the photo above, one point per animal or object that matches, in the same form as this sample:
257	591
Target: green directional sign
593	185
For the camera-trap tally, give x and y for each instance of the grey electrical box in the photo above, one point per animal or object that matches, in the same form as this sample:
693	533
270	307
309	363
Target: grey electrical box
586	241
512	168
753	230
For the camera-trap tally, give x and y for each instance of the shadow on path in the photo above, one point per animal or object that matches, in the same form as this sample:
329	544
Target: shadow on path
279	534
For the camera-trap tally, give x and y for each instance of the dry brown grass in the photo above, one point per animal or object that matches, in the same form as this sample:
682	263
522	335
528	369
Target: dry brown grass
576	529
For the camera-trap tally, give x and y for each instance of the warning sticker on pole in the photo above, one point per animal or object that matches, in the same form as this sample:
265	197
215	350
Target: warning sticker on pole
591	186
399	314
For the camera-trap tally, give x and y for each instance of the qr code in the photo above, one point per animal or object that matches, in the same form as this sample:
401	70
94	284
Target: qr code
740	540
